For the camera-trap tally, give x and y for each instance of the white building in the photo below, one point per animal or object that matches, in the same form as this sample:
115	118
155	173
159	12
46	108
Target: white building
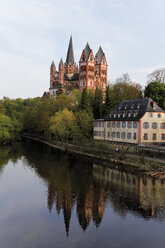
133	121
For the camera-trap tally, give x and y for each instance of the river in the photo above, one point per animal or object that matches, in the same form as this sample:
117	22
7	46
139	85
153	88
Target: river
52	199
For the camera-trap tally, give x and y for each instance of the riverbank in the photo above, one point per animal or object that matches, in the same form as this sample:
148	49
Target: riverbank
132	161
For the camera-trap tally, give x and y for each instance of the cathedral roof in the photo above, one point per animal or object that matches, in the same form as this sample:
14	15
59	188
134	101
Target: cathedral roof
70	55
61	62
87	51
75	77
52	64
99	55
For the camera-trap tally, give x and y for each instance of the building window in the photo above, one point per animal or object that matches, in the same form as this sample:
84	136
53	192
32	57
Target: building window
123	124
129	124
145	125
129	135
108	134
118	135
123	114
113	124
95	124
102	133
134	136
159	115
154	125
94	133
154	136
123	135
162	125
150	114
135	124
99	133
163	136
108	124
135	114
118	124
113	134
146	136
102	124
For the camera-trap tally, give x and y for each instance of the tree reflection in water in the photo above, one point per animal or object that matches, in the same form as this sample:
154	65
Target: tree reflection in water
77	182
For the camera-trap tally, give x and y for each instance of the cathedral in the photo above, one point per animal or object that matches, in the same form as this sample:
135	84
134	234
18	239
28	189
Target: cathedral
90	74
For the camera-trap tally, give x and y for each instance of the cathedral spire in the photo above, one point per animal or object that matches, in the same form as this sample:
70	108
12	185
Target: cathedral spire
70	55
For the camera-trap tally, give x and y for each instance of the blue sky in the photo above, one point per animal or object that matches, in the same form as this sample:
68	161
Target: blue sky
34	32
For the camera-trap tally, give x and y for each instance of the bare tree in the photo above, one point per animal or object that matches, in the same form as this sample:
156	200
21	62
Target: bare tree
157	76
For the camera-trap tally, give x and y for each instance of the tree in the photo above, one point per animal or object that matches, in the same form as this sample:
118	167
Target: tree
98	104
77	94
85	103
84	121
108	102
124	89
157	76
62	125
156	91
6	129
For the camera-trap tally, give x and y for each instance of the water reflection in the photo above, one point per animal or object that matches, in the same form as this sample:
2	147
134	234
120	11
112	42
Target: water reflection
137	193
74	183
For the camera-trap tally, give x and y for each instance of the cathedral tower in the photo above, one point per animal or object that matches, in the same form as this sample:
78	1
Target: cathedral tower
52	74
86	69
61	73
70	65
101	70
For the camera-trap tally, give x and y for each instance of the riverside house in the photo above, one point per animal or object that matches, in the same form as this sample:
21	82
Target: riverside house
133	121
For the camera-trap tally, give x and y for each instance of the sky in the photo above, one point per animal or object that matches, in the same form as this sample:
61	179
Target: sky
35	32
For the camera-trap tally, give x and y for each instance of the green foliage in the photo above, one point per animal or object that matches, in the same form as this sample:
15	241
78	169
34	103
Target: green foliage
62	125
86	102
156	91
84	122
6	129
124	89
107	107
98	104
77	95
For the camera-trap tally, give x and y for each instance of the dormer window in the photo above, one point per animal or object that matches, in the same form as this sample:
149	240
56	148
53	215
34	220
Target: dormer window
138	106
135	114
129	114
118	115
125	107
119	107
110	115
123	114
132	106
114	115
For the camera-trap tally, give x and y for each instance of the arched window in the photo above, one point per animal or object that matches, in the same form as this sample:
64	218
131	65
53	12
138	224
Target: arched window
123	135
129	135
